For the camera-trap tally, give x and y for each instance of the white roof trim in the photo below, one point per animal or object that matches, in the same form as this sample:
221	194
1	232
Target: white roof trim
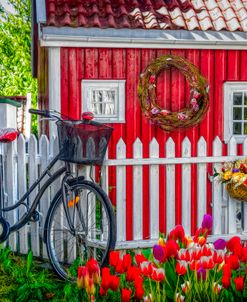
140	38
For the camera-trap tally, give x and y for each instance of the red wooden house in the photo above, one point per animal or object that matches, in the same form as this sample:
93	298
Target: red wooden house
90	55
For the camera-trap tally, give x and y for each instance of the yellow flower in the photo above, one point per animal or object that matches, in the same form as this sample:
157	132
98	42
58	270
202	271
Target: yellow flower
236	177
227	175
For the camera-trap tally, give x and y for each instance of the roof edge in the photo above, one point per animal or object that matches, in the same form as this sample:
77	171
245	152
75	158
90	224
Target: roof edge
140	38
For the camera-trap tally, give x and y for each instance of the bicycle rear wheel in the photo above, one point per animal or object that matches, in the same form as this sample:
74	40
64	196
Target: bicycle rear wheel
94	233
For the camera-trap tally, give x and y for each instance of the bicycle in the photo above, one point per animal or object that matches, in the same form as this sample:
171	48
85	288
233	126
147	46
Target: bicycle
80	222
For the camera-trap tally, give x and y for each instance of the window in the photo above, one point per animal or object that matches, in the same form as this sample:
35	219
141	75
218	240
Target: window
105	98
235	111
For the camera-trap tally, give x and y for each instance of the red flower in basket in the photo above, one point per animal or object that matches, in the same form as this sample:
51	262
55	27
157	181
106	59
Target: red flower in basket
87	116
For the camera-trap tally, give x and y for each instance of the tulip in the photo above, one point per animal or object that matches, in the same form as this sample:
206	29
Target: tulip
148	298
139	293
207	222
126	262
181	268
102	291
119	268
233	261
226	281
114	258
172	248
146	268
244	254
239	283
140	258
220	244
158	274
179	298
114	283
132	273
126	295
201	273
185	286
217	288
106	277
159	252
83	277
94	270
234	246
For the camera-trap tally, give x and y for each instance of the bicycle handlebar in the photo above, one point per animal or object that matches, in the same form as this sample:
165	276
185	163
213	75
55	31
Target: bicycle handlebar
46	113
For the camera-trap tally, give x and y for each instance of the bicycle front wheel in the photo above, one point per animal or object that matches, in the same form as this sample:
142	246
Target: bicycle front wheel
92	234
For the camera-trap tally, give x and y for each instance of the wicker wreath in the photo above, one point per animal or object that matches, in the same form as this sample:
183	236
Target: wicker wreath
184	118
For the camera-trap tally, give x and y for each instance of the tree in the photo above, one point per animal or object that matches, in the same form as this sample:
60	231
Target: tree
15	50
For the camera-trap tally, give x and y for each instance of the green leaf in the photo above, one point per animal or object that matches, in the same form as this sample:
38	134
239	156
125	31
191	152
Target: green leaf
29	261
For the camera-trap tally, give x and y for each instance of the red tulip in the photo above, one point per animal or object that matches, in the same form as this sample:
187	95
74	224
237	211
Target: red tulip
102	291
119	268
94	270
207	262
226	282
126	295
227	271
181	268
146	268
113	258
234	245
158	274
138	282
114	283
132	273
140	258
139	293
126	262
244	254
218	257
194	265
239	283
106	276
172	248
233	261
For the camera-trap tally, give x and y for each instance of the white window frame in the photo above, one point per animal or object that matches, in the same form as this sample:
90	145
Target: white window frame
229	88
118	86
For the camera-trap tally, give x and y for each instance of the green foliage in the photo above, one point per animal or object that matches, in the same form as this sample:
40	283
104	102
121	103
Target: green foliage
15	52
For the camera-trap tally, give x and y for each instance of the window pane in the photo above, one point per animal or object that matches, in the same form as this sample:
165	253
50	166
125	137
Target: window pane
237	98
245	98
245	114
237	113
237	128
102	102
245	128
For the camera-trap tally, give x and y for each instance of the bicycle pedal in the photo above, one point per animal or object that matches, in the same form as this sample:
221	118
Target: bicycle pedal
36	216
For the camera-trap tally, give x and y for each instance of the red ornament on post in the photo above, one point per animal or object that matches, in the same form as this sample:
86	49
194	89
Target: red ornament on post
87	116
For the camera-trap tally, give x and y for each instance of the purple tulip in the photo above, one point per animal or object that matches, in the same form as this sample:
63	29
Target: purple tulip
158	252
201	273
207	222
235	170
220	244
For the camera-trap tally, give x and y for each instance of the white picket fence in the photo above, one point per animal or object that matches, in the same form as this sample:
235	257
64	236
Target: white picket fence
24	161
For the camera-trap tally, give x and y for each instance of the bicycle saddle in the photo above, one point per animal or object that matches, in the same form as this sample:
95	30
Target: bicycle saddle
8	135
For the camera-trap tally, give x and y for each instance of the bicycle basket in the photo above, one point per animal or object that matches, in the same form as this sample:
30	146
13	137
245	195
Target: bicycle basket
83	142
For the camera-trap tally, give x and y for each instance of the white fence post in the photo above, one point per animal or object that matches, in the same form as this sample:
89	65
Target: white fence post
154	190
232	150
186	187
121	193
170	187
201	181
137	193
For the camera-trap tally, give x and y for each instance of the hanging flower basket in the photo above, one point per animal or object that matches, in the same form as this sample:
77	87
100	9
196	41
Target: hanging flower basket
239	192
234	175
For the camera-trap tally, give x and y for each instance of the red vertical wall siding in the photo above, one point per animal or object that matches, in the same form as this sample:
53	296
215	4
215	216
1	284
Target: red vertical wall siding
217	66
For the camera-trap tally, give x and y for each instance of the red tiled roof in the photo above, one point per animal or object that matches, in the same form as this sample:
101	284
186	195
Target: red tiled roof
203	15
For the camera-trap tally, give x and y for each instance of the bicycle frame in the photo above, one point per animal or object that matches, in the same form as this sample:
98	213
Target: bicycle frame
52	177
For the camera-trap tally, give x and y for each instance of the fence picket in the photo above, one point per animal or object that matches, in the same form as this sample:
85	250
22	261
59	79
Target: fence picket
137	192
201	181
33	174
121	193
45	200
217	191
232	150
170	187
11	176
22	187
154	190
186	187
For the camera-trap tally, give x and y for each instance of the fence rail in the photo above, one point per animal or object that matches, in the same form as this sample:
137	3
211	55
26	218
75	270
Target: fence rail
168	179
